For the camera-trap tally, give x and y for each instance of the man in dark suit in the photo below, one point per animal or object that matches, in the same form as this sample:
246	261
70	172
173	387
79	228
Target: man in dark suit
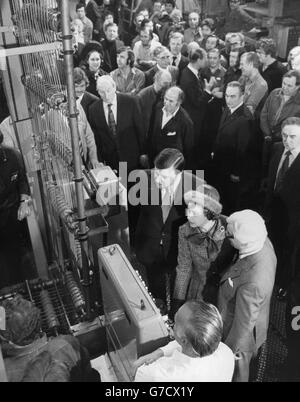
81	83
117	123
283	202
197	95
110	45
175	45
149	97
162	56
235	157
172	127
156	240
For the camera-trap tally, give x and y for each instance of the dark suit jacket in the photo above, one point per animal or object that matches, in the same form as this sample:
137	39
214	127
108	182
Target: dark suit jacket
196	98
87	100
149	75
129	143
287	199
177	133
148	100
244	300
233	145
152	233
110	54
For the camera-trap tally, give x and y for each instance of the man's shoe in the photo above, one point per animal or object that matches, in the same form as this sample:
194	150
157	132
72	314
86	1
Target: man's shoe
281	295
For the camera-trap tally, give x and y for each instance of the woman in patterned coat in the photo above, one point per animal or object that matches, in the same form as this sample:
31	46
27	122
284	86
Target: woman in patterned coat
203	251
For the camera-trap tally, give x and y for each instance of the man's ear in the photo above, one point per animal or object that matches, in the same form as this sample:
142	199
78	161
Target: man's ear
183	340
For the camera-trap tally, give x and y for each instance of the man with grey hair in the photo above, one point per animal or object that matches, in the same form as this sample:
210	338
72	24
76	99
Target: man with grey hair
117	123
149	97
172	127
162	55
294	52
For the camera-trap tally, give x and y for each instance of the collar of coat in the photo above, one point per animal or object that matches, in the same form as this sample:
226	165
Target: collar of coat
217	232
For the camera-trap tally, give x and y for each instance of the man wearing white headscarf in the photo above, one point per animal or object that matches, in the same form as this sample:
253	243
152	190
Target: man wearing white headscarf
246	289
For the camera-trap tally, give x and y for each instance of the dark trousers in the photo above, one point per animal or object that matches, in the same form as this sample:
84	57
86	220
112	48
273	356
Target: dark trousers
10	248
160	278
246	366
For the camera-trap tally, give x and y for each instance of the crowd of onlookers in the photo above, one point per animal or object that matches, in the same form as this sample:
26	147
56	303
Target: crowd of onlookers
230	109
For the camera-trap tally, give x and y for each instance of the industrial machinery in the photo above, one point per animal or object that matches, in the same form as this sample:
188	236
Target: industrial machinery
134	325
76	210
71	219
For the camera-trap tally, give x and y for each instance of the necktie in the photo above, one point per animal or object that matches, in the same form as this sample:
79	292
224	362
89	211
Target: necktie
282	171
111	120
174	61
167	202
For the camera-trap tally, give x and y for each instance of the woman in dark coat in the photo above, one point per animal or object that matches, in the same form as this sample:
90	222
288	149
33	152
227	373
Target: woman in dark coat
203	250
93	70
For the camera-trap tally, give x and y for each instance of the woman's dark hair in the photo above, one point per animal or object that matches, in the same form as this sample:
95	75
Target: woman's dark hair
85	62
209	22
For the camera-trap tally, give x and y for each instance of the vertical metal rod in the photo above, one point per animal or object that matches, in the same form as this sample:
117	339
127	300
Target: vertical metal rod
73	113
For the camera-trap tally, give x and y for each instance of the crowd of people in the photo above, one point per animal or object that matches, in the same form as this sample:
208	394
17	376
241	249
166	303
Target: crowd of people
186	95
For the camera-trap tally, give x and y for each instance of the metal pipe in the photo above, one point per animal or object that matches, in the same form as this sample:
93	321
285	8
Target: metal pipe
73	113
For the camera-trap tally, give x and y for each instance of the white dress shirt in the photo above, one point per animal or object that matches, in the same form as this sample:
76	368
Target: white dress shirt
113	108
167	117
178	367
